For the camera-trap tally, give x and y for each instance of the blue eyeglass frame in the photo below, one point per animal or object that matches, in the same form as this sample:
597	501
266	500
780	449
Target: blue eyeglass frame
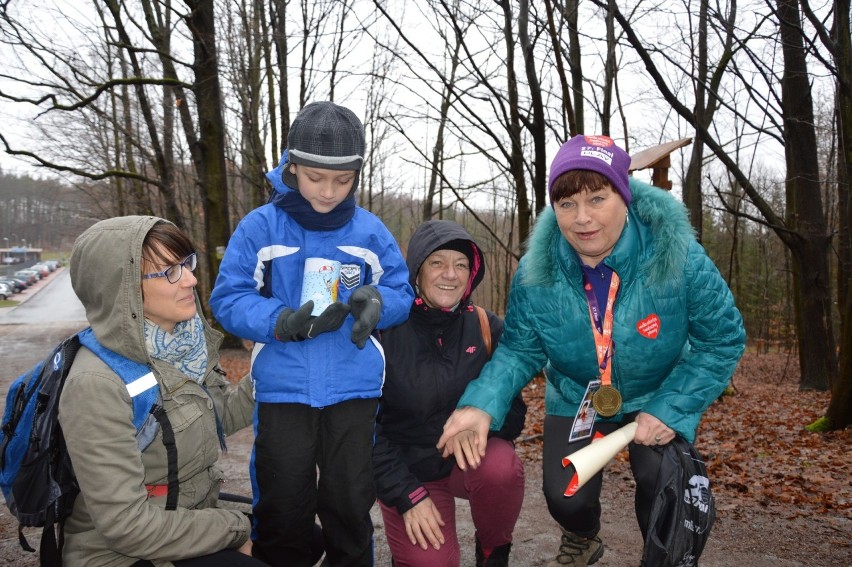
190	263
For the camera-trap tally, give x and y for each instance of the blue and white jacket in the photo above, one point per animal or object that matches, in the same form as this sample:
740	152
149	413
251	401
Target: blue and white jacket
261	274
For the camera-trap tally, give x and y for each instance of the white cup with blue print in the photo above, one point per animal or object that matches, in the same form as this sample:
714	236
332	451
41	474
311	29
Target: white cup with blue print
320	282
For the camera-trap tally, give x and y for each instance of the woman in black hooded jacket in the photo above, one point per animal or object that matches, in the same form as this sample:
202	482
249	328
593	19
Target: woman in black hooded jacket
429	361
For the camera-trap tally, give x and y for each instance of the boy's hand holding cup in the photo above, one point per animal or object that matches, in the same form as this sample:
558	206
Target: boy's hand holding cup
320	311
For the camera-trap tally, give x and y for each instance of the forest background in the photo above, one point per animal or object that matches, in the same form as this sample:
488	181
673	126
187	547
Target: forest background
177	108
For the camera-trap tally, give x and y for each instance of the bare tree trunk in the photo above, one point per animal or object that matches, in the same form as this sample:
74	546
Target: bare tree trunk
609	71
126	144
247	53
164	173
692	194
567	105
839	43
337	52
279	27
516	160
706	104
212	178
804	210
575	62
435	176
311	26
536	127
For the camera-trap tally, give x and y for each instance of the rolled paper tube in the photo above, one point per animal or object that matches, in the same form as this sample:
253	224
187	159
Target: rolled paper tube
589	460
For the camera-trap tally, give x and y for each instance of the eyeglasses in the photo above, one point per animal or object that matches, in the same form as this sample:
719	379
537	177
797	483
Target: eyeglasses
173	273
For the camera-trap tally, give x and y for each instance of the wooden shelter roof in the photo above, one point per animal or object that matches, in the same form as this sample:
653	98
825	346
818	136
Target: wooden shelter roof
650	156
658	158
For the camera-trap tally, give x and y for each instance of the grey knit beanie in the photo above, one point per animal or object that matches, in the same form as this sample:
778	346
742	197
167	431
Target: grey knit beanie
327	136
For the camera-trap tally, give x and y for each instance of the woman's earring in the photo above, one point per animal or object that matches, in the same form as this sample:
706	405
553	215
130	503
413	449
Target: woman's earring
627	217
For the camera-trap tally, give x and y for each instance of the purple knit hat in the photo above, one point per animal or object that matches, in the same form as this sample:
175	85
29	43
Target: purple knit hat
594	153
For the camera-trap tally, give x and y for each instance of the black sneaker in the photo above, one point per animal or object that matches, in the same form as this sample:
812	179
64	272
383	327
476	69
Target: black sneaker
499	556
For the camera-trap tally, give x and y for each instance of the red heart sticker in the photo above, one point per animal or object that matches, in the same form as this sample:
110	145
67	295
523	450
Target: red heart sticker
649	327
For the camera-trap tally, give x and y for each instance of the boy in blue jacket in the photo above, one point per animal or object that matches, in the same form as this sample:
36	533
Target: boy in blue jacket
317	378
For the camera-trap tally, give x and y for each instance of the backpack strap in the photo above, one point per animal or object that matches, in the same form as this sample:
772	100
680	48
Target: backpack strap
147	410
485	325
140	381
49	550
171	455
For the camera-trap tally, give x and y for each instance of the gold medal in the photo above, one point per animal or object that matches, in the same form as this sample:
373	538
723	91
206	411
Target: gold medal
606	401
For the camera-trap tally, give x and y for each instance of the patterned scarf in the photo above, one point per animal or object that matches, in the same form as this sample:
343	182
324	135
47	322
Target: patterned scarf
184	348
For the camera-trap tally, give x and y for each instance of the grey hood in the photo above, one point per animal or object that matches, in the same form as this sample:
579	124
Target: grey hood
106	276
435	234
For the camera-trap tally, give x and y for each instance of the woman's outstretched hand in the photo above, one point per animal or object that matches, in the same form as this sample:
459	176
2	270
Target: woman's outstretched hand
465	436
423	525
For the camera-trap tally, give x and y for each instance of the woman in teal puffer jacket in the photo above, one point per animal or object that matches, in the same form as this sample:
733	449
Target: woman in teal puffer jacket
628	317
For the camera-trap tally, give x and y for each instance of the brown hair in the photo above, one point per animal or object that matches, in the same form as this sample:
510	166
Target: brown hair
572	182
166	244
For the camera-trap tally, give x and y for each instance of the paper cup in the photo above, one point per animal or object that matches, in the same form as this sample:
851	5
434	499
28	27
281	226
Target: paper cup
320	282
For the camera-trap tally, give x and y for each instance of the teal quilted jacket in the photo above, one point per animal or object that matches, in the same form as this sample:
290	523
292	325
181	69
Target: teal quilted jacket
677	332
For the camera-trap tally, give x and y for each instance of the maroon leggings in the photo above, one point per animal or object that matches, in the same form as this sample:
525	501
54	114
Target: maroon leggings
495	491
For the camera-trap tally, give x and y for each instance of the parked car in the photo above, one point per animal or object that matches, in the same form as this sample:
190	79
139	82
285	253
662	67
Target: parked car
31	275
5	292
42	269
17	286
23	282
52	264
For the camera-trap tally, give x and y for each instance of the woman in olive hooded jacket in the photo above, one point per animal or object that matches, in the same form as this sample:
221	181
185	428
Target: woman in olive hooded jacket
119	517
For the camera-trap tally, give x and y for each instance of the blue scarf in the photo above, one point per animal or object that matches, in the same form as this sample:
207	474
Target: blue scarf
303	213
184	348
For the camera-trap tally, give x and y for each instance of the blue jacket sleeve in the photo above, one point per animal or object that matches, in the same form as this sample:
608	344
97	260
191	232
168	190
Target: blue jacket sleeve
236	301
392	283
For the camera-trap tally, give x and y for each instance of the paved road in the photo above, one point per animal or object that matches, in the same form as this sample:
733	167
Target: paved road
60	305
28	332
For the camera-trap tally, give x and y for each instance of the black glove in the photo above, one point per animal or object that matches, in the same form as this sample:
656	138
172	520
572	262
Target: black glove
329	320
290	323
366	304
299	325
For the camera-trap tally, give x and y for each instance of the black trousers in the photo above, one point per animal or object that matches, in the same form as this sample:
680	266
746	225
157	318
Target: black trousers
292	442
581	513
224	558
